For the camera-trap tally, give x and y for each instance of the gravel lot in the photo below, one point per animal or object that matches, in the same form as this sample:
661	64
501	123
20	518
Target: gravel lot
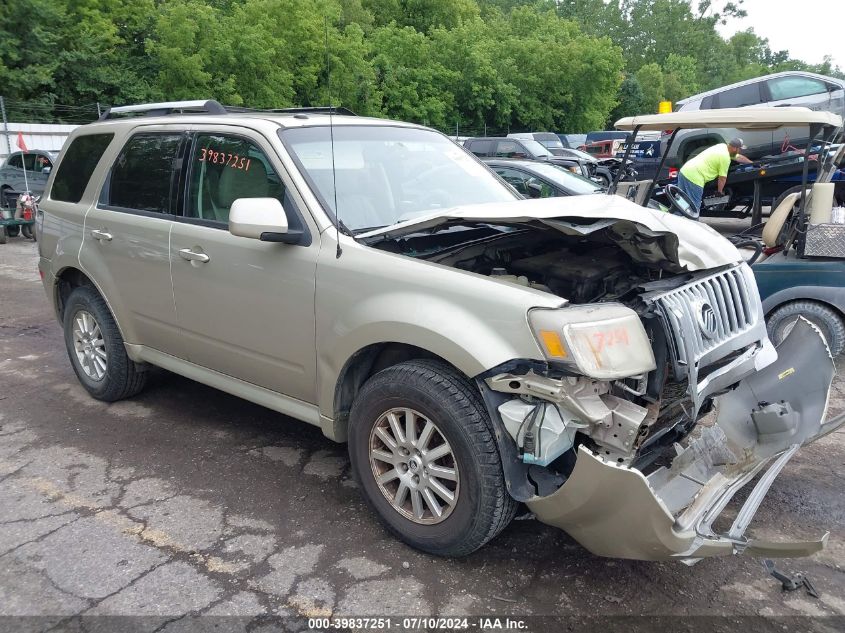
187	501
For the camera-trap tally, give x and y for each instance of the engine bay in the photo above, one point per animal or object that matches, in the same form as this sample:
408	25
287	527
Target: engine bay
589	268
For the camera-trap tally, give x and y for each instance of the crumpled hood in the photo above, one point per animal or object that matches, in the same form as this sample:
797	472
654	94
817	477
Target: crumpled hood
696	246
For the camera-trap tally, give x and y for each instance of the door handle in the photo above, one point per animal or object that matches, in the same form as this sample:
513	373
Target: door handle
102	236
193	256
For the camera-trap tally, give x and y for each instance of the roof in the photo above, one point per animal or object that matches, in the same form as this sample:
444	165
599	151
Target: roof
233	118
739	118
786	73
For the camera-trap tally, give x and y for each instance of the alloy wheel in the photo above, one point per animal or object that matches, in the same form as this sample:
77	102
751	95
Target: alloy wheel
414	466
89	345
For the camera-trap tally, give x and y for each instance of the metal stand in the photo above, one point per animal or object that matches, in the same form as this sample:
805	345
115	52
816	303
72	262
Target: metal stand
757	204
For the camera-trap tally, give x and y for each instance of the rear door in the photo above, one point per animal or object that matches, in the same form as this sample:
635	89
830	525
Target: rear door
127	232
758	142
246	307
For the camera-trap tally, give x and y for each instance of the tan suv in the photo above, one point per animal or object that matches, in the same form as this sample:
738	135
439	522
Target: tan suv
475	350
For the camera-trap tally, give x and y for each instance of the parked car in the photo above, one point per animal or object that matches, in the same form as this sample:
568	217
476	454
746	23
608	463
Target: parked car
602	149
536	179
576	161
572	141
791	88
476	350
798	258
38	164
605	135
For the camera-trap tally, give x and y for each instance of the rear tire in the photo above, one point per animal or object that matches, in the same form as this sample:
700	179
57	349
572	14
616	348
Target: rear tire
435	394
96	349
828	320
3	235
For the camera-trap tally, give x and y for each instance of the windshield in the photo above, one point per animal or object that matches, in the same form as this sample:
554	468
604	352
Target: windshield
388	174
564	178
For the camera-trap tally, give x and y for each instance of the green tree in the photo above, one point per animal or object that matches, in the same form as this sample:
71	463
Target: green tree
680	77
650	78
630	100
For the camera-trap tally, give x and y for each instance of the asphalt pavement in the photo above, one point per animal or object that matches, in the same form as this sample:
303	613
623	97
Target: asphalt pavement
186	502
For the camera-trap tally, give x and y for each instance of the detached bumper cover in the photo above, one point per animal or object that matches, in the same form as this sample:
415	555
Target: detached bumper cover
617	511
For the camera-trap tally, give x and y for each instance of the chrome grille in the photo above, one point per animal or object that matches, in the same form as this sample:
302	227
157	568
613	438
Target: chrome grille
709	312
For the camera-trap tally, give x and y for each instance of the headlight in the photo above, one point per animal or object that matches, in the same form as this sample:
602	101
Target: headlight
605	341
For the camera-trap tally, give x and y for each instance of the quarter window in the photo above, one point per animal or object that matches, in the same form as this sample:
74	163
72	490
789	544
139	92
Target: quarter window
78	163
795	87
225	168
144	174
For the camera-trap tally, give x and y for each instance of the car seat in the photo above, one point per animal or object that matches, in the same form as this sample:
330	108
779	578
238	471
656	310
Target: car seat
239	183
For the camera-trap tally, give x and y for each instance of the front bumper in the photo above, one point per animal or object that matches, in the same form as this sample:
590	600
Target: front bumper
617	511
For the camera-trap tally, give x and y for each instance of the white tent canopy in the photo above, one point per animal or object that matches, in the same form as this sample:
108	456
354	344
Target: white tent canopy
739	118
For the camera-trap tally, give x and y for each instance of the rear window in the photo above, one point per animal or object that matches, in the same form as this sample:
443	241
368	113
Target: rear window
79	162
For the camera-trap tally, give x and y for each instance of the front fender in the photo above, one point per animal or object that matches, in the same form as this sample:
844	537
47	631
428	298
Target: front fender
369	297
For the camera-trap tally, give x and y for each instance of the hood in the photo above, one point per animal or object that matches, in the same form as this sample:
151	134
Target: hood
689	244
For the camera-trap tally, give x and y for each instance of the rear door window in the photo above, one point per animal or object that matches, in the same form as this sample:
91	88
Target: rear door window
510	149
740	97
144	176
480	148
15	161
78	163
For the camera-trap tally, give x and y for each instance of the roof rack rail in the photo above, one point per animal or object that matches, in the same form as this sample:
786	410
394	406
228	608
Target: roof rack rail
209	106
297	110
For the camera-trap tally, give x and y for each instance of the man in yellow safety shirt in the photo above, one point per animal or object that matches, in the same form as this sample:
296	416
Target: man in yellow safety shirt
709	164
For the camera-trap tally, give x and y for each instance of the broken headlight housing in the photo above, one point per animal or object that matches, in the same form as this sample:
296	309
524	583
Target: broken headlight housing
605	341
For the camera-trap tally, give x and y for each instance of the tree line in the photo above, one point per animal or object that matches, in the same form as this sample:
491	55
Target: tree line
565	65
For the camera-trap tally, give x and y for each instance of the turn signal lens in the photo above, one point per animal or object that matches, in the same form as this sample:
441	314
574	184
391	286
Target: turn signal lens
553	344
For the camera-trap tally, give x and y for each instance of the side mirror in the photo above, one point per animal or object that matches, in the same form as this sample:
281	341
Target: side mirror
261	219
47	169
535	189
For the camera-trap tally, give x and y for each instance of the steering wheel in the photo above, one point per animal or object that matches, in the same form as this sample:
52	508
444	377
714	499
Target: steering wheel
680	202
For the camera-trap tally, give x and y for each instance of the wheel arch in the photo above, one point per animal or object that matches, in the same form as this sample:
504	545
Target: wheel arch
689	145
365	363
831	297
66	281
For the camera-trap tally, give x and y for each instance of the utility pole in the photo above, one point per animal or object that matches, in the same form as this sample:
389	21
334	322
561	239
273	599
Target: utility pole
5	125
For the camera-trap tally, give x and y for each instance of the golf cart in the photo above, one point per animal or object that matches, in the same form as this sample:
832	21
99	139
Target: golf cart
798	259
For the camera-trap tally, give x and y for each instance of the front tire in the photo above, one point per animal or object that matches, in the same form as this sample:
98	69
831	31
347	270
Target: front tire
828	320
96	349
28	231
423	452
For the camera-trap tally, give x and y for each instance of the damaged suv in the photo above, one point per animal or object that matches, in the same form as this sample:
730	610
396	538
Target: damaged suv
475	350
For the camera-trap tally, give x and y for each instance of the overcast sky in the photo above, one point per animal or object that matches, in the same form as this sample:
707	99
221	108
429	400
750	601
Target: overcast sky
808	29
